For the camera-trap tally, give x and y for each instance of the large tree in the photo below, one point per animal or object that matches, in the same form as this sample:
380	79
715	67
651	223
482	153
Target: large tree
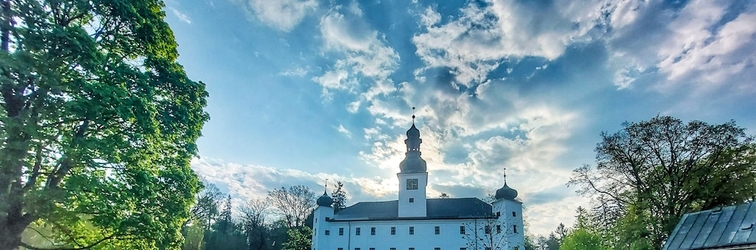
294	204
655	171
98	124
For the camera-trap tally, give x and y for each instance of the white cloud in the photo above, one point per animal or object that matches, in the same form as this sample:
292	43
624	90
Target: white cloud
181	16
353	107
344	131
481	37
280	14
296	71
695	47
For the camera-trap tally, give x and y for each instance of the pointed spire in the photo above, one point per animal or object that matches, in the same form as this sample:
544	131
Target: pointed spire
505	175
325	188
413	116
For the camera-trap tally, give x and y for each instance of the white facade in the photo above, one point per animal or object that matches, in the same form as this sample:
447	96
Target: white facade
414	222
412	199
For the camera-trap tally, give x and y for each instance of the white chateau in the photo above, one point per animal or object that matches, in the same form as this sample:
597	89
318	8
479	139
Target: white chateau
416	222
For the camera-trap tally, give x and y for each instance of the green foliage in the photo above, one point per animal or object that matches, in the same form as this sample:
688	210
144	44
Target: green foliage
582	239
98	125
339	197
651	173
299	239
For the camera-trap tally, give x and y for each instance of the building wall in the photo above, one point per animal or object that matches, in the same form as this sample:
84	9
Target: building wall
510	215
424	237
417	208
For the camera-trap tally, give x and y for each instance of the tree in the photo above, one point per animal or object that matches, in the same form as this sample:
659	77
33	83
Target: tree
253	219
294	204
299	239
225	234
664	168
485	234
98	124
339	197
582	239
205	209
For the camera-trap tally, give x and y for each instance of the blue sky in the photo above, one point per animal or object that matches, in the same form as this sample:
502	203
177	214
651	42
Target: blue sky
307	90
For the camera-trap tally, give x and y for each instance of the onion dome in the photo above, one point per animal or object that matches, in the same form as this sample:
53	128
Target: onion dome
413	132
506	192
412	162
325	200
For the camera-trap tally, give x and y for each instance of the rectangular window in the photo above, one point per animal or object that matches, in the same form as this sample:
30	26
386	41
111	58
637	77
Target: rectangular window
411	184
393	230
498	229
393	248
498	214
412	230
514	228
341	248
357	231
328	232
341	231
437	230
411	200
411	248
461	229
462	248
488	229
357	248
372	248
514	214
372	231
437	248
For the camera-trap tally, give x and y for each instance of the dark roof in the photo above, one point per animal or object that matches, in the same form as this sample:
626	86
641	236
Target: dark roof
716	228
453	208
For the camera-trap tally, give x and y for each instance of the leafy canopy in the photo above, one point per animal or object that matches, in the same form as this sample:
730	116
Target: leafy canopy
97	127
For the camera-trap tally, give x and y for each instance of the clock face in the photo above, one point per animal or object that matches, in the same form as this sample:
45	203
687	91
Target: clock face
411	184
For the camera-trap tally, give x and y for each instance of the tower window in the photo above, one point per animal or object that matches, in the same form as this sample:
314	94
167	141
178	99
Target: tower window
357	231
514	214
437	230
498	229
514	228
461	229
372	231
393	230
328	232
411	230
341	231
412	200
411	184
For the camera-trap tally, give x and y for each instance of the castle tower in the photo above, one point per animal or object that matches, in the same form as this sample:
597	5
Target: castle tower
413	177
509	212
320	225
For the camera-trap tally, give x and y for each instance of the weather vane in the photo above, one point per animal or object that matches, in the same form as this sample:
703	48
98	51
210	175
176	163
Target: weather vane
413	115
505	174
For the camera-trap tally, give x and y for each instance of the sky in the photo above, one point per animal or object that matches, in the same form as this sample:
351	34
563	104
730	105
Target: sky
307	90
